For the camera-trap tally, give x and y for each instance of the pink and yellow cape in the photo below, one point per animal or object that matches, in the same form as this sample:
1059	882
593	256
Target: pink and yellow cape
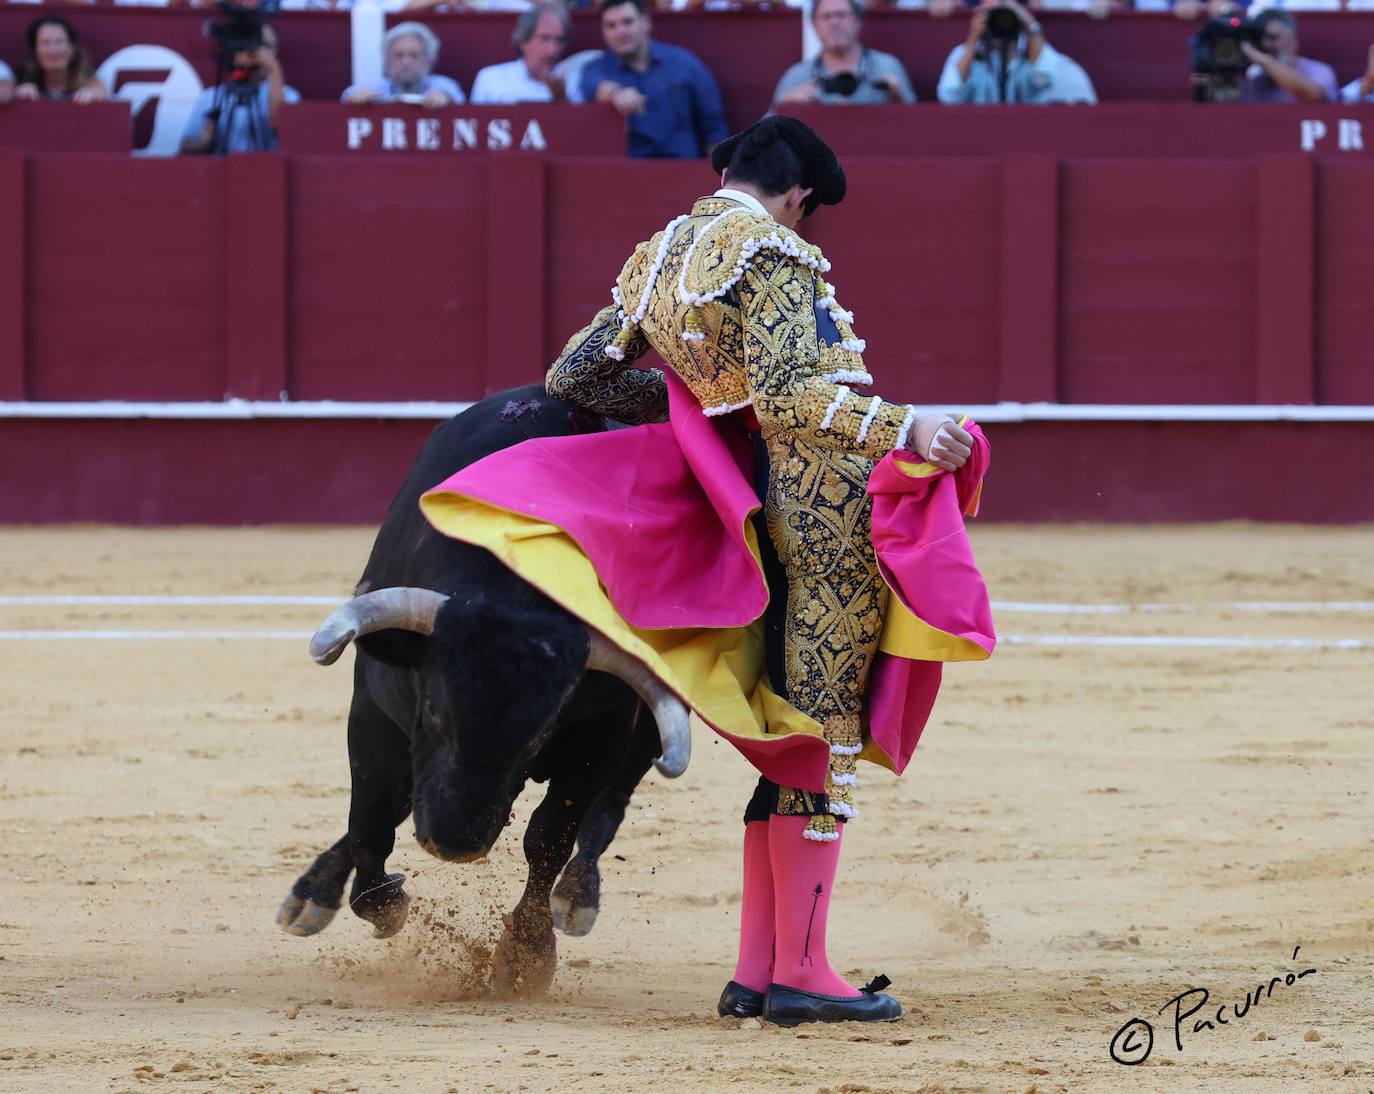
645	534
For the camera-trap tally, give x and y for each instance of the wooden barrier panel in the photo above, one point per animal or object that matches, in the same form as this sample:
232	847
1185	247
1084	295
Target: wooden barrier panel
65	127
348	470
974	280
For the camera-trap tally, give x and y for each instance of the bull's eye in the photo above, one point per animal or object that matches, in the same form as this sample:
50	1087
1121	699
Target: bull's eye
430	716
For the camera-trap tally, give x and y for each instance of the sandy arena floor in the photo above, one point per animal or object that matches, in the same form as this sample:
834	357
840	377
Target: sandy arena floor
1087	832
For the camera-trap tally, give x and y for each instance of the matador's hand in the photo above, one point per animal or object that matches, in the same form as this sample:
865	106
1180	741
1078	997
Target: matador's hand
942	441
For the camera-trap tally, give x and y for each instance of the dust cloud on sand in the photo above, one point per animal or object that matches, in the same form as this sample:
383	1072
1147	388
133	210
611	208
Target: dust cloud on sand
1086	832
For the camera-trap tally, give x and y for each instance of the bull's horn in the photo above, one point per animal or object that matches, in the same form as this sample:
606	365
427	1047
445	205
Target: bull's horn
404	609
671	714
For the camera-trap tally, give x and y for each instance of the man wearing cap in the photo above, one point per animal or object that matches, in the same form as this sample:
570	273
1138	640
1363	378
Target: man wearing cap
734	301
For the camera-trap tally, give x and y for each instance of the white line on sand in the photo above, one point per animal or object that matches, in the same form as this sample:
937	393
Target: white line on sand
56	601
1176	641
1027	607
140	636
1187	641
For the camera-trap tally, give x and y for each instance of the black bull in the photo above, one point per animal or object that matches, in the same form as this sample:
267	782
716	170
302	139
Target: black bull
468	683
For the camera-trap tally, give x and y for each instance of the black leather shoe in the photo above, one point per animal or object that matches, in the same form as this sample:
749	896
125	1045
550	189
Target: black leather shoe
737	1001
784	1006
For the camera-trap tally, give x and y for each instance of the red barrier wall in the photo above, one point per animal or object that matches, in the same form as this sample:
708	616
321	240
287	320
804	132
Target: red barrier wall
337	471
975	280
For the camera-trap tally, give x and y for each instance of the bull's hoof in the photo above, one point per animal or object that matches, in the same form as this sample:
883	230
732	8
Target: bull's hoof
303	917
576	898
572	921
385	906
392	917
524	967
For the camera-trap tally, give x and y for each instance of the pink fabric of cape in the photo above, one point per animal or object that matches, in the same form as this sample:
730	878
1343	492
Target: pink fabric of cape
660	511
926	559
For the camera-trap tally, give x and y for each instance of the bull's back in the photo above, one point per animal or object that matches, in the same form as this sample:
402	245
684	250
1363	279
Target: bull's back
407	551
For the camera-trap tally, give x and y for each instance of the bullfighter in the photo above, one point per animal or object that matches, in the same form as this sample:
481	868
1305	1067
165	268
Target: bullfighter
774	615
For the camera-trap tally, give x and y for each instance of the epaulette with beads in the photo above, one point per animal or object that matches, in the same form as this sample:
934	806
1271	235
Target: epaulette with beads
721	253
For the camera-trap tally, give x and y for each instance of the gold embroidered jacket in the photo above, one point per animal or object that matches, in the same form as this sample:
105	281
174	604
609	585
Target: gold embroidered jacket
736	305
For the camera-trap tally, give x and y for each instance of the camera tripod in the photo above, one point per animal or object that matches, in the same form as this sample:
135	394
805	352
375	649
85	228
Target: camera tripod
236	95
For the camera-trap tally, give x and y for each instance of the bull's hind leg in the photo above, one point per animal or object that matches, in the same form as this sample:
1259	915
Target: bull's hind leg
576	898
317	894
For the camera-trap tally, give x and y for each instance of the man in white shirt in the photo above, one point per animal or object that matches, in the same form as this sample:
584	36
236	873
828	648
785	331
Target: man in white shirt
1361	90
409	51
540	36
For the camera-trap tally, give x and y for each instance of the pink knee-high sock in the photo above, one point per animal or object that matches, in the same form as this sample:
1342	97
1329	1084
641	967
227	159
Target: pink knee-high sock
755	966
803	878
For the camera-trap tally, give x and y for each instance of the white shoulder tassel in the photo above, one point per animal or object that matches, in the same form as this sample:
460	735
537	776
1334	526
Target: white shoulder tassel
843	809
820	837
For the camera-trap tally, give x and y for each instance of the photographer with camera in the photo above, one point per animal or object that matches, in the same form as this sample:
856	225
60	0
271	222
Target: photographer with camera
239	114
1283	76
845	70
1004	59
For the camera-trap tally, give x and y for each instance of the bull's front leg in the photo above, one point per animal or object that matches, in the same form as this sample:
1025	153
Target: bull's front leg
315	898
576	898
527	955
379	761
385	707
381	772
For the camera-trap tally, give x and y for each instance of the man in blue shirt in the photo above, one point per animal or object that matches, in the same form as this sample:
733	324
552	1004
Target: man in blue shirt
241	115
668	96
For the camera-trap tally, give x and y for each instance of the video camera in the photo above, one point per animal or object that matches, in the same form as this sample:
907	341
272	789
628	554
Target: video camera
1217	60
239	30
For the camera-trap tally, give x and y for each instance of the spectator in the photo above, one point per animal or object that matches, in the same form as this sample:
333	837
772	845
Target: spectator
241	115
1361	90
57	65
539	38
6	83
845	70
1191	9
669	98
1069	83
990	69
409	51
1281	76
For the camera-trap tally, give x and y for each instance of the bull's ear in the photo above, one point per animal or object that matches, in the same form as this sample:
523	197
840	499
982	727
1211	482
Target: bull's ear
403	649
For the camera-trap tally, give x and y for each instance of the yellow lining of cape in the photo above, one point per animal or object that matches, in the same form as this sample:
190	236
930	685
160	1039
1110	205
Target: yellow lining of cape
718	671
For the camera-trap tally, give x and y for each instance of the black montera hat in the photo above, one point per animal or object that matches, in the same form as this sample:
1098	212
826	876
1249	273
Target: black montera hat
821	170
